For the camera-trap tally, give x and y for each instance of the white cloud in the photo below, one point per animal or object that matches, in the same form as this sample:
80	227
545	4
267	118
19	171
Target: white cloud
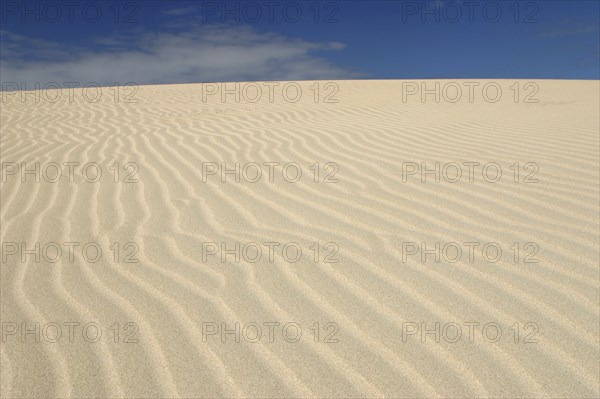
199	54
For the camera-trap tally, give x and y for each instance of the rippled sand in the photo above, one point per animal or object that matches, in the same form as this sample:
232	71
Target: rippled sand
368	210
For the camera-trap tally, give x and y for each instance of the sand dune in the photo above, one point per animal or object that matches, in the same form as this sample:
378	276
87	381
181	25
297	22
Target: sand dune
411	281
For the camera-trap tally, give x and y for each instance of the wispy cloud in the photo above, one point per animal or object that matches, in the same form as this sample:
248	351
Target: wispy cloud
196	54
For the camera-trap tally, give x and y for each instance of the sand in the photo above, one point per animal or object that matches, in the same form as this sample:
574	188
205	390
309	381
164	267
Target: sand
367	311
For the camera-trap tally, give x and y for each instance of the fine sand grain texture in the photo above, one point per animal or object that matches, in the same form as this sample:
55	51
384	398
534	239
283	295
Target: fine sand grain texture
520	323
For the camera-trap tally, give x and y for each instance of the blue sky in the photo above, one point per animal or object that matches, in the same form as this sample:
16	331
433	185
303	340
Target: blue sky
197	41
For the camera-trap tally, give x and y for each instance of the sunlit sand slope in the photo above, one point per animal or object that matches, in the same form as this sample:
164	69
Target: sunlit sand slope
476	279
